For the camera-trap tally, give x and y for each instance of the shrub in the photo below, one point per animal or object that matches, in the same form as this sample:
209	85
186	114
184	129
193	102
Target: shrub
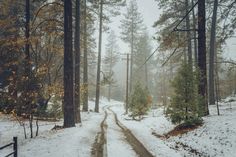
140	101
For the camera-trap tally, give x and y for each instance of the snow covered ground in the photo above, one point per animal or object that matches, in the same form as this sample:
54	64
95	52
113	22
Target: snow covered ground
72	142
117	146
217	137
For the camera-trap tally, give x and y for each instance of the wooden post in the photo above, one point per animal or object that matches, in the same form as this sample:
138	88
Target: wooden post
15	146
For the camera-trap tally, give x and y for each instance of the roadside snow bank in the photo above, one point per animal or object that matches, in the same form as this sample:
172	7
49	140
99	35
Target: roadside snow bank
217	137
69	142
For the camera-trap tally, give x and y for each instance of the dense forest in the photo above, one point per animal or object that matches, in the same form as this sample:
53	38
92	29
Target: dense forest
90	72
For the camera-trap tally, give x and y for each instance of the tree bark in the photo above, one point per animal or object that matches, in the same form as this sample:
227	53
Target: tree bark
99	58
77	63
195	36
202	55
131	59
190	62
28	66
85	75
212	54
69	119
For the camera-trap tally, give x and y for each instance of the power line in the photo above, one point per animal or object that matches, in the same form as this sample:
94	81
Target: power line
149	57
175	29
170	56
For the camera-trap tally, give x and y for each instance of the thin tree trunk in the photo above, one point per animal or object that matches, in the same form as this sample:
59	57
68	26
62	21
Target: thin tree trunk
99	58
68	104
190	62
202	55
77	63
146	74
27	64
85	75
212	53
131	60
37	126
31	124
217	81
27	34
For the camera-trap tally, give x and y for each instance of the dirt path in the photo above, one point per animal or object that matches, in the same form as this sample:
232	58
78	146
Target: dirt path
137	146
99	146
122	133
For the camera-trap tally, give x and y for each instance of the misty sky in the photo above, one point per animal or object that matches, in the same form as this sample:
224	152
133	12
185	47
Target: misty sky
150	12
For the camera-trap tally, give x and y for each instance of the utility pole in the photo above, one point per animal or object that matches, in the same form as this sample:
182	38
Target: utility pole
127	85
127	82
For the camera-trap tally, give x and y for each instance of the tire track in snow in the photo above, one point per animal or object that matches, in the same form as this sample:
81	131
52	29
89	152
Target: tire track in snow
137	146
99	146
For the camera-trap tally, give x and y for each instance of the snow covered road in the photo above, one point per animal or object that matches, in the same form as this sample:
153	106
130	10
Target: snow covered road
116	140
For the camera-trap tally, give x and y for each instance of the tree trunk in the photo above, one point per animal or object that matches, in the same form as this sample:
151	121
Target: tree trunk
99	58
27	30
27	52
85	75
146	74
212	54
110	74
190	62
131	60
69	118
77	63
31	124
195	36
202	55
28	66
217	88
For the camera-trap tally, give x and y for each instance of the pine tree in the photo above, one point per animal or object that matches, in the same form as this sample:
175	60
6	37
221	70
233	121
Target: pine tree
132	27
140	101
141	72
184	106
110	60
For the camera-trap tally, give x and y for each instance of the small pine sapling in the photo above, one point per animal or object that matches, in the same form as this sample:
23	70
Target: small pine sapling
140	102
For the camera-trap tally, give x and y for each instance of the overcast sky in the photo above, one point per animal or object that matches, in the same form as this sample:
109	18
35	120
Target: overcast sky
150	12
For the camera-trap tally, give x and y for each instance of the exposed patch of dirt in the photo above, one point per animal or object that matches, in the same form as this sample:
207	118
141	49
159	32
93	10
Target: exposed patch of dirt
181	129
178	130
137	146
100	140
